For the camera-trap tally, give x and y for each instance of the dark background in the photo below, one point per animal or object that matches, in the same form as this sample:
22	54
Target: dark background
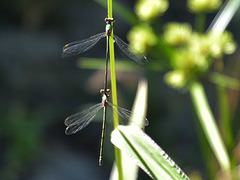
39	89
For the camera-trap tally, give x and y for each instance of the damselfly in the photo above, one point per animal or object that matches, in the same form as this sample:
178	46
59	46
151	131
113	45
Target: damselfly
78	121
81	46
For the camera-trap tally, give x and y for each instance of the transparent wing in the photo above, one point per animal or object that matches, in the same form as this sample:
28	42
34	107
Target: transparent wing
128	51
78	121
78	47
125	115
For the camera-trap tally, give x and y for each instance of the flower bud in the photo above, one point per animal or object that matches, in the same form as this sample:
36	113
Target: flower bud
141	37
220	44
203	6
149	9
175	79
177	34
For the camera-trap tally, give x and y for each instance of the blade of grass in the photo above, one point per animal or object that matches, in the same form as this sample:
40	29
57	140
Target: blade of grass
146	153
140	105
209	125
224	16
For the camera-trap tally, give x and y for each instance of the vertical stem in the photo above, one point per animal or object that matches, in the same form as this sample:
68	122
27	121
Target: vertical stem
110	14
118	155
200	22
209	125
225	116
113	79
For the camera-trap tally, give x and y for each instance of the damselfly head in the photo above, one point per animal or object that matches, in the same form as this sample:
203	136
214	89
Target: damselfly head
109	20
107	93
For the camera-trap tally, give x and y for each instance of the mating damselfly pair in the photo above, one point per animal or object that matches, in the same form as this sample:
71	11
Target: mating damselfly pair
78	121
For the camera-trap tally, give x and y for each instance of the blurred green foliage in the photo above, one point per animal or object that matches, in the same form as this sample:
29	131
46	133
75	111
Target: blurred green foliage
203	6
21	135
47	88
190	54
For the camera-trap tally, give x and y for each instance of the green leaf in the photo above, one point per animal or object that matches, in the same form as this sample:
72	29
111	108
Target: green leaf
146	153
130	169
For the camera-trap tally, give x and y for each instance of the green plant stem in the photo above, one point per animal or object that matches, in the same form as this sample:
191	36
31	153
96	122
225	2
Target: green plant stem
209	125
118	155
224	81
225	117
200	22
122	12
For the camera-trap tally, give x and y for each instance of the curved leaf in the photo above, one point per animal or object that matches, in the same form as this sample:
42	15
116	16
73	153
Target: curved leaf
146	153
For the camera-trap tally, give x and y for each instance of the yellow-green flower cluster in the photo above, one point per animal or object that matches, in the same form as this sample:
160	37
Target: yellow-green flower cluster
220	44
141	38
149	9
177	78
194	52
177	34
212	45
203	6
